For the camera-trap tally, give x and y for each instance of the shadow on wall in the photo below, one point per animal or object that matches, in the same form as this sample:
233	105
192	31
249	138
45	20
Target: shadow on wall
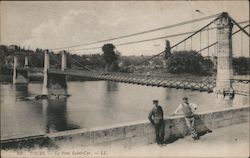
177	128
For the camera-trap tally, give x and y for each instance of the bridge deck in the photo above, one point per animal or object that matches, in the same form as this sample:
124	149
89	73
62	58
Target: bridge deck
193	83
205	84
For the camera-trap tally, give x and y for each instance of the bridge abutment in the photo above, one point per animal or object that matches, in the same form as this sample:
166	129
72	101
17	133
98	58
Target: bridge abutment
54	84
224	53
20	75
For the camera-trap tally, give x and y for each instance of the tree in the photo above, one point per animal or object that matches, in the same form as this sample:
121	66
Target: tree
110	57
189	62
241	65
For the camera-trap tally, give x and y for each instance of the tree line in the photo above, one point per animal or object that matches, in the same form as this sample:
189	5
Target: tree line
111	60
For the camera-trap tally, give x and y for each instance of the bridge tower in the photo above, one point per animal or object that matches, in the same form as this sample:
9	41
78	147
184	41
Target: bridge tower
20	74
45	72
224	55
54	83
64	63
26	62
167	52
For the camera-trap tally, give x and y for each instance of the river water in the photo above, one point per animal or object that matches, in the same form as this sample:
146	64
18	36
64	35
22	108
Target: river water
91	104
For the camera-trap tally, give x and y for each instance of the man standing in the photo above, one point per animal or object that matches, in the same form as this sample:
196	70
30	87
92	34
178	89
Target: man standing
156	118
188	110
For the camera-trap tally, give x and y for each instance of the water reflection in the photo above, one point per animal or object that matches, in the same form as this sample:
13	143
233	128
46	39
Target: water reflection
21	91
168	93
111	86
93	104
222	101
110	100
56	117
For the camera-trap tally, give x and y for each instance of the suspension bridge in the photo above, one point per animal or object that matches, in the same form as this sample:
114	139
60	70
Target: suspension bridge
55	80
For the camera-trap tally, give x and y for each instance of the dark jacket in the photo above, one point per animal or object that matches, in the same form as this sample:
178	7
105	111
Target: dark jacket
156	115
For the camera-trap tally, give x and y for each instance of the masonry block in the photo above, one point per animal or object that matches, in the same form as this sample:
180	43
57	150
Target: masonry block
124	143
109	135
151	138
222	123
141	140
204	120
148	128
240	113
134	130
240	120
78	138
222	115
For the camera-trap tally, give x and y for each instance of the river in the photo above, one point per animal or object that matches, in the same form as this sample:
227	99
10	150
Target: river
91	104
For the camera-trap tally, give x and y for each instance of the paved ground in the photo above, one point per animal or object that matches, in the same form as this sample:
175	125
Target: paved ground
232	141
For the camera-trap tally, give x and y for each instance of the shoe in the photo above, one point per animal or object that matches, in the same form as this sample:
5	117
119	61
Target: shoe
196	138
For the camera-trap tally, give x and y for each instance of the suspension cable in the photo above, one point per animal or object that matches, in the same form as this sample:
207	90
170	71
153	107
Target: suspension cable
238	26
191	43
217	41
208	41
241	45
54	58
142	32
147	40
181	41
80	64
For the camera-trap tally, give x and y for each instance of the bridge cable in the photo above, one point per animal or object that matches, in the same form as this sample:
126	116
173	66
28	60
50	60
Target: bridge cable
181	40
191	43
208	41
239	26
54	58
241	45
200	40
142	32
81	64
217	41
147	40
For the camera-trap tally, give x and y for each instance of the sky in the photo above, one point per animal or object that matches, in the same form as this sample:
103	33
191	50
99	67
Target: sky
54	24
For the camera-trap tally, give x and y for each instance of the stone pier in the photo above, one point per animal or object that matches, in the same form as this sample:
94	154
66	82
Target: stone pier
20	74
224	58
54	84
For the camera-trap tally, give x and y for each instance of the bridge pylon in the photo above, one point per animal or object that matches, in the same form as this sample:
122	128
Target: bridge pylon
20	74
64	61
53	84
167	52
224	56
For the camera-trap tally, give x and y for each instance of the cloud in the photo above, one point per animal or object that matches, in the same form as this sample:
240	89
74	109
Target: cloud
61	32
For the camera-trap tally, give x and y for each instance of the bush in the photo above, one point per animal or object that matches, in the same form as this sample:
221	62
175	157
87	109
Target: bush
189	62
241	65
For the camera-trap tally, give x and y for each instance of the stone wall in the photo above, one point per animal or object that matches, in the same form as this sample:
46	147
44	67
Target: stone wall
134	133
142	132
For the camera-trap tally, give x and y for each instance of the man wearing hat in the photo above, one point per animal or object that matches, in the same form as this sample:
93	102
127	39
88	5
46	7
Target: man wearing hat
156	118
188	110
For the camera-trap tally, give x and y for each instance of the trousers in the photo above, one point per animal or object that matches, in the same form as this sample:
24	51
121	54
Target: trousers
159	132
190	123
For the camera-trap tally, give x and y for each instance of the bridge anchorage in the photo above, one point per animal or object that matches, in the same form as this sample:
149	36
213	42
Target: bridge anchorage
55	80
